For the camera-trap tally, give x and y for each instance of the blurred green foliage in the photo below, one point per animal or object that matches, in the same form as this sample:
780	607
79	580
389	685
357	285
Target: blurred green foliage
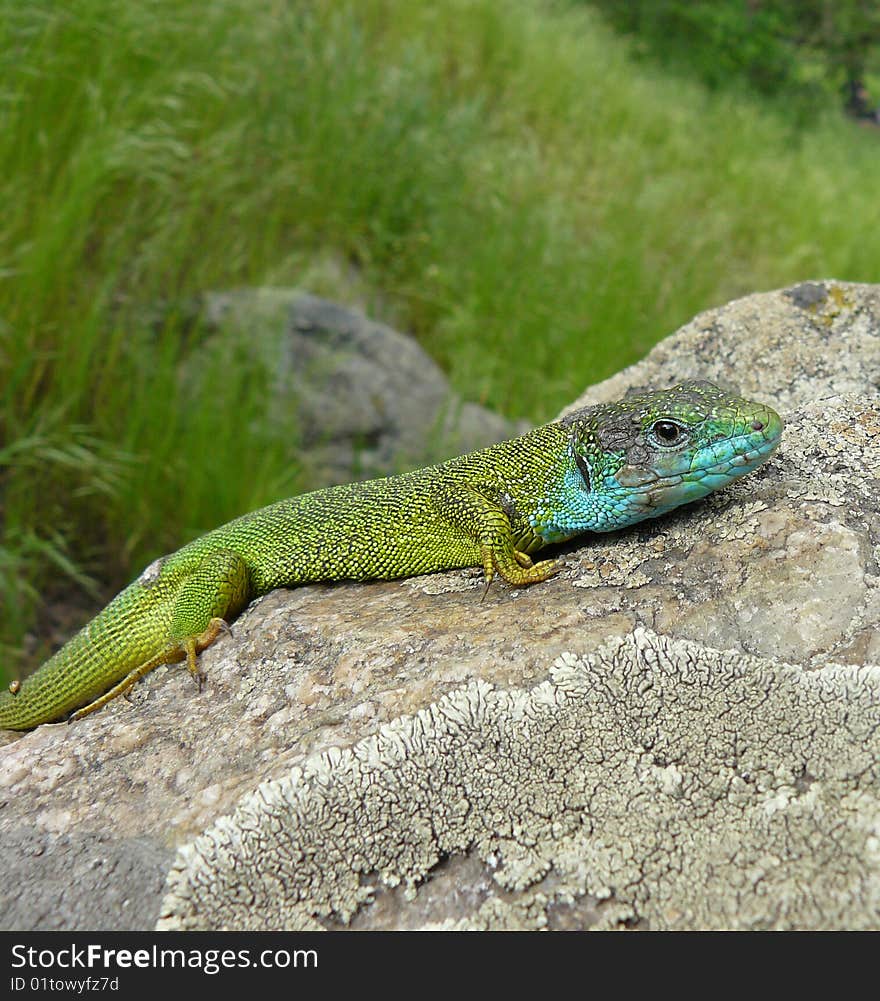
802	50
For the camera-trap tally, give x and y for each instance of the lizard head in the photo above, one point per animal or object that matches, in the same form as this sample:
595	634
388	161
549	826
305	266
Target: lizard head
650	452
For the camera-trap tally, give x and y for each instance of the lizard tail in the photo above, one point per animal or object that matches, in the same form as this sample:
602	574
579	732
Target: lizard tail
84	667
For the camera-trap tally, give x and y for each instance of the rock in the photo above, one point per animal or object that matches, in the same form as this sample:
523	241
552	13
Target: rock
716	817
680	731
81	879
813	340
363	399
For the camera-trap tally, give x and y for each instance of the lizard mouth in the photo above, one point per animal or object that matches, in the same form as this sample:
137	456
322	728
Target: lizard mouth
744	455
748	449
711	468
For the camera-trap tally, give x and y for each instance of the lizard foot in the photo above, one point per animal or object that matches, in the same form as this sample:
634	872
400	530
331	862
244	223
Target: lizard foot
194	645
517	568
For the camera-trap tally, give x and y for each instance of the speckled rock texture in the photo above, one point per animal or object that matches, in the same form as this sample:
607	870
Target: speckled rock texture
648	784
680	731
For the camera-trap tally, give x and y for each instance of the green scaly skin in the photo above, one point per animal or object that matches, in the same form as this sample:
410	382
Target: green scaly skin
599	469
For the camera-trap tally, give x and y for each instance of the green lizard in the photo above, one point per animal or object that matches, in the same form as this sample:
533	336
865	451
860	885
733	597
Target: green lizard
598	469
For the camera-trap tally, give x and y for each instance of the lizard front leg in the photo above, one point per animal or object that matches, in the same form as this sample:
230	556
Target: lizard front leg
489	527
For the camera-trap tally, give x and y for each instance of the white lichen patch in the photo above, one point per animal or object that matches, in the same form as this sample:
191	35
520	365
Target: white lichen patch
150	574
653	782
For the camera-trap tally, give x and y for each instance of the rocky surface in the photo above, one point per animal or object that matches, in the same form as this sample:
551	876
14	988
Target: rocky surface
716	816
808	342
679	731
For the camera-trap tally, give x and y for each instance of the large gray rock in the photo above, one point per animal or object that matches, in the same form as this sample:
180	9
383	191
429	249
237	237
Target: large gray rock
647	784
813	340
362	399
679	731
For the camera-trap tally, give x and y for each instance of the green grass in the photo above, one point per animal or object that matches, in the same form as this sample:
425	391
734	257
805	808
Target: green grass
495	176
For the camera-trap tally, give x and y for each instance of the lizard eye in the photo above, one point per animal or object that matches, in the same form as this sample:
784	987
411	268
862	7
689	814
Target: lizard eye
667	433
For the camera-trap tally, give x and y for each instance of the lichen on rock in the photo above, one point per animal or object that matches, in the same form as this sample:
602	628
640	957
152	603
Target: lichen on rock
652	779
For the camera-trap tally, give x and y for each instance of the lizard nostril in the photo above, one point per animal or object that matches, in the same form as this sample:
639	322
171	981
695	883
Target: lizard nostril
758	425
